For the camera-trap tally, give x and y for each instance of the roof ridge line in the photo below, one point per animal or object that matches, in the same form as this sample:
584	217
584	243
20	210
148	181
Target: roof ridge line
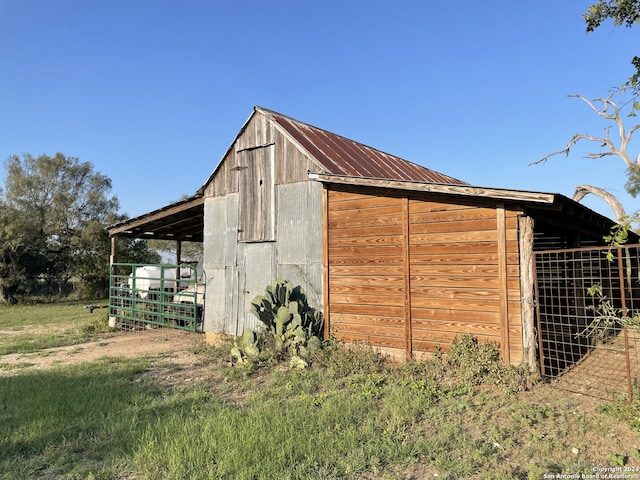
273	112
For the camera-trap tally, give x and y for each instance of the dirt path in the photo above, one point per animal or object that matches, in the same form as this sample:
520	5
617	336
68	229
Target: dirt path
176	345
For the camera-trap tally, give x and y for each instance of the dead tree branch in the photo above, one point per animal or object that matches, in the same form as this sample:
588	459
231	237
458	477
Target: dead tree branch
609	110
604	112
584	190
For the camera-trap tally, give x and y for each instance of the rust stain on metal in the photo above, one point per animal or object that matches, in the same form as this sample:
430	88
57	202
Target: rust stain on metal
342	156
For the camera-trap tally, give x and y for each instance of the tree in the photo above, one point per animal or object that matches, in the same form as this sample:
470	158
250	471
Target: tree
627	13
621	12
55	211
190	251
20	252
609	110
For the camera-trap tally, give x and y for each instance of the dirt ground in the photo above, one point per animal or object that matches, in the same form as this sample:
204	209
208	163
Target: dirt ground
174	345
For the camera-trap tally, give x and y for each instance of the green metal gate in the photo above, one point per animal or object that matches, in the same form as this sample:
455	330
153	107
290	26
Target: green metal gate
160	295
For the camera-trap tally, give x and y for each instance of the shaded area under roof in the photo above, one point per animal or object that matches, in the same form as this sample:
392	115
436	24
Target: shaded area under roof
182	220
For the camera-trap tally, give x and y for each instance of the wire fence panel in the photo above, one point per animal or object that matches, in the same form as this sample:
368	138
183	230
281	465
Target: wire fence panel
588	311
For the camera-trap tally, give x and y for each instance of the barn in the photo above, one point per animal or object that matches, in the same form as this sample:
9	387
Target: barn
395	254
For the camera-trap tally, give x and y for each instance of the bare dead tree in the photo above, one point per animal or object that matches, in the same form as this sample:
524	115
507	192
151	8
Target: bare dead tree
610	111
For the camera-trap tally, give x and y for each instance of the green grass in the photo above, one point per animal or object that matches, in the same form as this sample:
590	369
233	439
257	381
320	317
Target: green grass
351	415
57	326
67	313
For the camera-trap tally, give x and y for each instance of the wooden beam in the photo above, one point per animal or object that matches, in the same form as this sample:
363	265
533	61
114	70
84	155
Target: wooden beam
502	281
112	257
525	233
325	261
407	279
141	221
465	190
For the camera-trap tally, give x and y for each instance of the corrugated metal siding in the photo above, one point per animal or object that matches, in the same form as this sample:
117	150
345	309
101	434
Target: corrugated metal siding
299	228
342	156
215	220
260	269
299	243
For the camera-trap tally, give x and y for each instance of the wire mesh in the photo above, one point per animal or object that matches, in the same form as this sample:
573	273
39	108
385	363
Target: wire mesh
588	305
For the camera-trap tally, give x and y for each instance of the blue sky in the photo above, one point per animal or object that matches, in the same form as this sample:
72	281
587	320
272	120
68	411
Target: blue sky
153	92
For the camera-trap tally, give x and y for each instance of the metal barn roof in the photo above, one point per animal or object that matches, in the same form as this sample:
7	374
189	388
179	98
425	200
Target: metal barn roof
339	155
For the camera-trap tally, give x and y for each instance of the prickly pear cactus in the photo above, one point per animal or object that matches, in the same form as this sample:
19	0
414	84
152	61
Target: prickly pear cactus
245	348
296	327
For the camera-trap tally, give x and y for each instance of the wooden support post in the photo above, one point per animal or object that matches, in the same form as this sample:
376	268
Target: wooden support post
505	346
527	307
407	279
325	262
112	257
178	262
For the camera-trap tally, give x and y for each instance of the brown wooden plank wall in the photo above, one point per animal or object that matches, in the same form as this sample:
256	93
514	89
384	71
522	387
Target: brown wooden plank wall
453	273
365	248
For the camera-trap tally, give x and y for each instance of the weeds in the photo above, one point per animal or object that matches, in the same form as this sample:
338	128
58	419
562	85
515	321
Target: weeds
352	414
476	363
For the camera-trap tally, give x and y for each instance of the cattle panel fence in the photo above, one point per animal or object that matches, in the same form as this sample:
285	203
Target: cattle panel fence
156	296
588	319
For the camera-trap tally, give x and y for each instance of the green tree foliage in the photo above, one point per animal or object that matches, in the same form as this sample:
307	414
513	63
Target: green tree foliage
621	12
190	252
21	259
54	217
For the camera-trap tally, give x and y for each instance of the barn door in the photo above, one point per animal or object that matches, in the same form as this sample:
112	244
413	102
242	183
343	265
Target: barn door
257	194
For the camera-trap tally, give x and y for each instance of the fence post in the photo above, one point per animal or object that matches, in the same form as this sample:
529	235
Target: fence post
623	302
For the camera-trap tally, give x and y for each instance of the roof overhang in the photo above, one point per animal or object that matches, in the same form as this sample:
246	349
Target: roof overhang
465	190
182	221
552	208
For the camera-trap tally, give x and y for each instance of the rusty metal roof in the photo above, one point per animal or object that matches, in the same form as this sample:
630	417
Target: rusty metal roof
334	154
342	156
182	220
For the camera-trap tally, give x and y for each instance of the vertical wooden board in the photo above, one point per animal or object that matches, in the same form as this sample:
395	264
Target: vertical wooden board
514	292
260	270
257	132
406	260
503	277
215	219
225	179
257	195
326	310
299	223
526	292
291	164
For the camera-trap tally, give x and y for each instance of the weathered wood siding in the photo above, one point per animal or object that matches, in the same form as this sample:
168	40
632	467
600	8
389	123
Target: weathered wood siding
262	222
412	274
290	164
257	195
